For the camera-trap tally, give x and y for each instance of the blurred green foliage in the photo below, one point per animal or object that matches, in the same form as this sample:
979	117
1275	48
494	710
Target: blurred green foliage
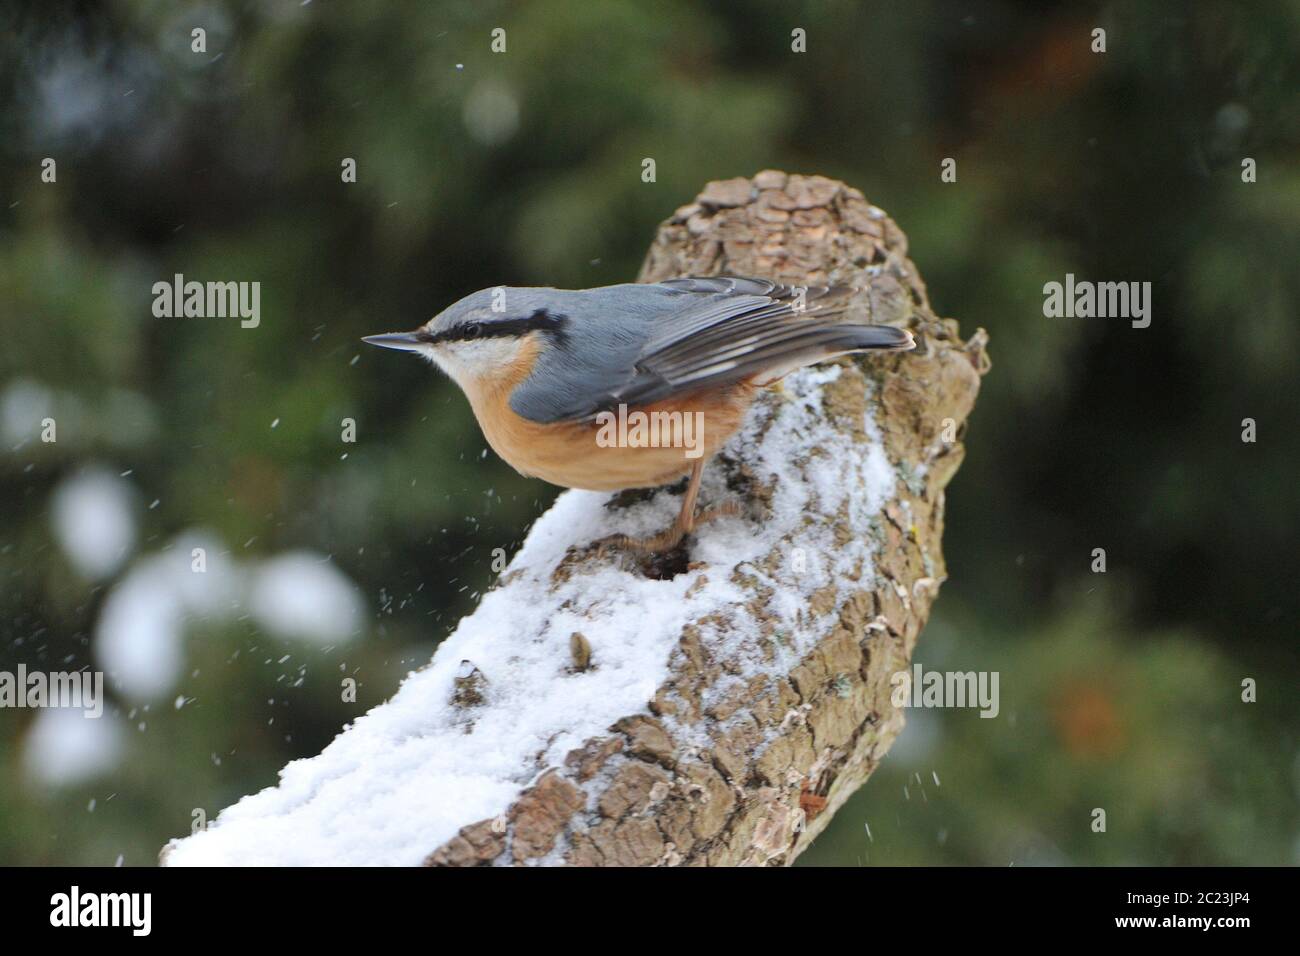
476	169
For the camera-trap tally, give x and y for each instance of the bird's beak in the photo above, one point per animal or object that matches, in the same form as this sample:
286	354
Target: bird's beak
402	341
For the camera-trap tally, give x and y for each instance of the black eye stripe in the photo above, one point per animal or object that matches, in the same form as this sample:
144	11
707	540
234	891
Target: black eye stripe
540	321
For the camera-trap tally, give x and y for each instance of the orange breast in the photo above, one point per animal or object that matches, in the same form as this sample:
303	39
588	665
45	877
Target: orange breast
648	447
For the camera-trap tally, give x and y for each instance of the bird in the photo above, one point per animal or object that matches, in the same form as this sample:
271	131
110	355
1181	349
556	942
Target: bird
580	387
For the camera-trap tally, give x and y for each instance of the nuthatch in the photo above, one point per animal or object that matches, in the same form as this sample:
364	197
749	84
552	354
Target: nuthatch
547	370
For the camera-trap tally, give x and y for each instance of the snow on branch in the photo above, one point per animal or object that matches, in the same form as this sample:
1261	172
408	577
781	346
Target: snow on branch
605	708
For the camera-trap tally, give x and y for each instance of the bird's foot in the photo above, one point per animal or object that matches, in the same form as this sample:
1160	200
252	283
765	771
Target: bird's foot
728	509
673	536
656	544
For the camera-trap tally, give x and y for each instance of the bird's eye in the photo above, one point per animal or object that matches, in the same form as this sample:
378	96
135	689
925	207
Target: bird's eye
472	330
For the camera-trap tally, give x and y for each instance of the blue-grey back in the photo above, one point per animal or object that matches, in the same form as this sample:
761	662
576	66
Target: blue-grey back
643	343
595	352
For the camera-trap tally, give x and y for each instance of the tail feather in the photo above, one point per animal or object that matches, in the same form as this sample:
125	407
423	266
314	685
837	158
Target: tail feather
881	337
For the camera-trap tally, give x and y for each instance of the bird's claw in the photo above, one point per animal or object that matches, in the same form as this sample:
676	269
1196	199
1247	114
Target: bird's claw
672	537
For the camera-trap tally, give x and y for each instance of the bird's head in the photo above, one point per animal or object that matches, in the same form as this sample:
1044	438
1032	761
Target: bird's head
482	335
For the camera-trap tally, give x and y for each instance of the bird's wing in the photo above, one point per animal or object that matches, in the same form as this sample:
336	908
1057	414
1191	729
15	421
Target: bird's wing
703	332
746	329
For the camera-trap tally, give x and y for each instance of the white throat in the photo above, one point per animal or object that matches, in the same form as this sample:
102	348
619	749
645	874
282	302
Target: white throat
471	364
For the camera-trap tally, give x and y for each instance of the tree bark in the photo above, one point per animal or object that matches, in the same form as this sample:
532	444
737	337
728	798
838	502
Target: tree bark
786	751
777	702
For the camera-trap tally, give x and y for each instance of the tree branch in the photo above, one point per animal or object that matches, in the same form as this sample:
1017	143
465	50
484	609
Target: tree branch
715	709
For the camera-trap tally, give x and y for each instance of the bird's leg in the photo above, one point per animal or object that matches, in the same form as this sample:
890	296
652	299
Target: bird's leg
686	517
